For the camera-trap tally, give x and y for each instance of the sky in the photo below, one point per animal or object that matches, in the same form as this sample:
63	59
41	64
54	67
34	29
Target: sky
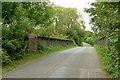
80	5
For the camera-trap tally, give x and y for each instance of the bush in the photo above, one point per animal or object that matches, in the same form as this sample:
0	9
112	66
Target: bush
15	48
90	41
5	57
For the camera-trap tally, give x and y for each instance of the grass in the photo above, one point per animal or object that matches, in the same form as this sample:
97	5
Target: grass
104	58
0	70
33	56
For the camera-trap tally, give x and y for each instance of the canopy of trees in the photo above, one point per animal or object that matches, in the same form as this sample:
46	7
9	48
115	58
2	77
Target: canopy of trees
67	23
18	20
42	19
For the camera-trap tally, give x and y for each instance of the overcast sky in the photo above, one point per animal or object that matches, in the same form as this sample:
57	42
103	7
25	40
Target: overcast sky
80	5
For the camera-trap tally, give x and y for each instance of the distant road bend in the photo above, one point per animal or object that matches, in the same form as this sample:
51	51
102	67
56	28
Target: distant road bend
78	62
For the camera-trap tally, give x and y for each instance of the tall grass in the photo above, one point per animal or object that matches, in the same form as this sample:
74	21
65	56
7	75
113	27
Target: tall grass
109	61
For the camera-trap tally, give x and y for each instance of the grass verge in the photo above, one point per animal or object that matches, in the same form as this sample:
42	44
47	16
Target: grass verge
33	56
104	58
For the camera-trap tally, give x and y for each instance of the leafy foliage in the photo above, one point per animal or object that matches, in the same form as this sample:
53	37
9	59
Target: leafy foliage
18	20
104	20
67	24
43	19
5	57
90	37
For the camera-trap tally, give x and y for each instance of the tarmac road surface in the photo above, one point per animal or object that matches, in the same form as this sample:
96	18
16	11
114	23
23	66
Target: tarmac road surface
78	62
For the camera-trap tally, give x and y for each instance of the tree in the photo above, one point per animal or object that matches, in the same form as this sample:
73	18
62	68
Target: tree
18	20
69	22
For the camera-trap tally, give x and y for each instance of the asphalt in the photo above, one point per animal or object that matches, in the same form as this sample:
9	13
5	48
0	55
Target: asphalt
78	62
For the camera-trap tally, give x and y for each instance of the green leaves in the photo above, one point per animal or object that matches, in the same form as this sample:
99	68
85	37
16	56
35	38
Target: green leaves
5	57
104	18
42	19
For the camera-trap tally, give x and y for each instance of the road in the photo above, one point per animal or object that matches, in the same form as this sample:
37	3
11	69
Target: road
78	62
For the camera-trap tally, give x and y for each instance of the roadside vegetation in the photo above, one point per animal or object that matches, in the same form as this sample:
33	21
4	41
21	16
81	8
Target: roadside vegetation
48	20
33	56
105	23
109	61
42	19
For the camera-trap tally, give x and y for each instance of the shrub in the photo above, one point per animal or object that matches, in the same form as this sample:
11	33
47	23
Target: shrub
15	48
5	57
90	41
